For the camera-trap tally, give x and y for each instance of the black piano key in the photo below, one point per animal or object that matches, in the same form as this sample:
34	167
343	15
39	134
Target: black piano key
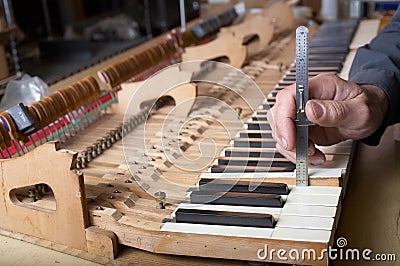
236	198
268	105
293	75
258	162
256	134
319	69
322	50
260	112
259	118
250	169
254	143
324	62
258	126
327	43
314	65
257	153
208	184
224	218
291	79
328	56
284	83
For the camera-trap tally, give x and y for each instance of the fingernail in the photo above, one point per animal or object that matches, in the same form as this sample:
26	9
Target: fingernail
318	161
317	109
284	143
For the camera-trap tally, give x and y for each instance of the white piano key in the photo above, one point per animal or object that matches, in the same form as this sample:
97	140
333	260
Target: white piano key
222	153
246	175
315	172
230	208
337	162
308	210
321	223
299	234
340	148
332	157
346	143
334	149
316	190
206	229
344	74
349	143
316	200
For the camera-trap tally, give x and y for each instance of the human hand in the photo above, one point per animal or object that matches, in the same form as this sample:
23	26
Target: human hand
340	109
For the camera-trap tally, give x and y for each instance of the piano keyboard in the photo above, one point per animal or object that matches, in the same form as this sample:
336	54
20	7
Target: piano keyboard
307	214
237	199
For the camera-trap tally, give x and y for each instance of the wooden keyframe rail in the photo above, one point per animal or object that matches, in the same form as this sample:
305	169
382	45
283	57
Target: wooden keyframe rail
66	224
226	45
259	25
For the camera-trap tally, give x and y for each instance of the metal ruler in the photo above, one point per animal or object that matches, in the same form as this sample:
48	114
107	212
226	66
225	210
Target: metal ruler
302	122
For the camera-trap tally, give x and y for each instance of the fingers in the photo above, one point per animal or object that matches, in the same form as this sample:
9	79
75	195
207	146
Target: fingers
322	111
282	117
317	159
330	113
283	113
311	148
315	156
323	86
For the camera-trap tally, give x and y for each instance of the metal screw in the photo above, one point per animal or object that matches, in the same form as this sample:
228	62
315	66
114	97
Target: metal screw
32	193
160	199
238	111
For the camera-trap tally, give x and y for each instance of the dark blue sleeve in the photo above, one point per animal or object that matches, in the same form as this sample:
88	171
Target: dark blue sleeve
378	63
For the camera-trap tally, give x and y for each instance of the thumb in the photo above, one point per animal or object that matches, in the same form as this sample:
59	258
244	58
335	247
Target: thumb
330	113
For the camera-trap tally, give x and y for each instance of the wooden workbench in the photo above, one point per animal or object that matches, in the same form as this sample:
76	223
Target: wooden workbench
371	214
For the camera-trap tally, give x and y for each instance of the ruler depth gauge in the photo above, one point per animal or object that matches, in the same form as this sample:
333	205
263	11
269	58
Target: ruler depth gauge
302	122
